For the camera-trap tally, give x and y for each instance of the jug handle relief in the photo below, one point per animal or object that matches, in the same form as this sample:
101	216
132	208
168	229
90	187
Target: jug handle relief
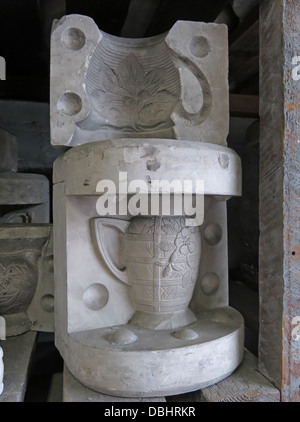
112	225
200	116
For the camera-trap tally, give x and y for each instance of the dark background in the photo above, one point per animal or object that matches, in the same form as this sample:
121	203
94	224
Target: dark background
25	27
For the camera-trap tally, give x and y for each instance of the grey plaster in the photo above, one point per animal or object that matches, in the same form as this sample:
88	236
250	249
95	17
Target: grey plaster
26	280
168	86
141	302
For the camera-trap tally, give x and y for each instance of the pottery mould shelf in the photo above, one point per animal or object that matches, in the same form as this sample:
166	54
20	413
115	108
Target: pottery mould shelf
26	262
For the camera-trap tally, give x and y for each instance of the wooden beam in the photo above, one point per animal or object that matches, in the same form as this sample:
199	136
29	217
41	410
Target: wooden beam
246	384
245	300
279	211
244	51
244	105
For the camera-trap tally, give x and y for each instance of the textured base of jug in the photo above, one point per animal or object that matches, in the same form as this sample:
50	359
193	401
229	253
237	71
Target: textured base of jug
128	361
162	321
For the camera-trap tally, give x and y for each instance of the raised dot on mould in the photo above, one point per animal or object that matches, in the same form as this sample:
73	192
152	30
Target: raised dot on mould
210	283
199	46
122	336
95	297
185	334
47	303
69	104
221	316
213	233
73	39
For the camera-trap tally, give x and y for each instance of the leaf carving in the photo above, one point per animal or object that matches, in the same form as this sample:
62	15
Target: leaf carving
130	99
150	247
130	74
179	267
149	226
169	229
166	271
166	246
17	286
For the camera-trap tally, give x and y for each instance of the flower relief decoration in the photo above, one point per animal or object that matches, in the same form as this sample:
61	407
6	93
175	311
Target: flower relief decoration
176	253
17	286
130	98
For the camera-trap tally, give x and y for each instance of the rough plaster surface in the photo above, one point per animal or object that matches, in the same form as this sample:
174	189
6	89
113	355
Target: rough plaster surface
158	363
149	159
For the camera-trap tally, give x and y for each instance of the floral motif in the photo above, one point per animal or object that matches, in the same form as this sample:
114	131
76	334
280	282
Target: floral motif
175	253
17	285
184	243
131	99
181	264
